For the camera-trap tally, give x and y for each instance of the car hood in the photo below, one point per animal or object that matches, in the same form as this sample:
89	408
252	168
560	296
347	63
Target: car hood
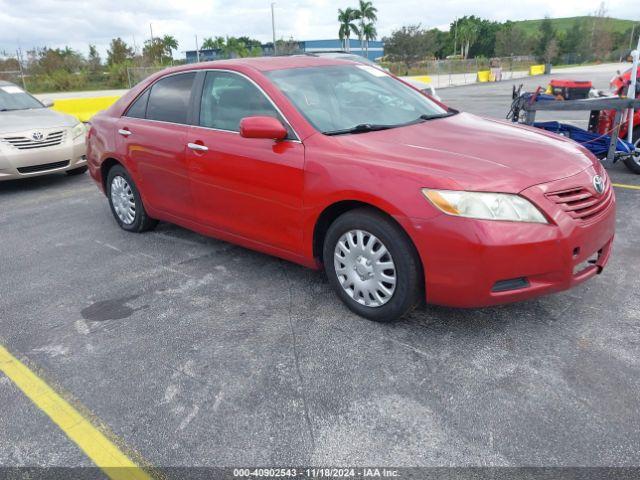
468	152
20	120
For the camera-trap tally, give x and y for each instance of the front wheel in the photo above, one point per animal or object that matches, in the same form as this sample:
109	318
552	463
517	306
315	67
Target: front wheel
633	162
126	203
372	265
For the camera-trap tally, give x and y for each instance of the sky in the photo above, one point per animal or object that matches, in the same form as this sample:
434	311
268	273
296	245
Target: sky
76	23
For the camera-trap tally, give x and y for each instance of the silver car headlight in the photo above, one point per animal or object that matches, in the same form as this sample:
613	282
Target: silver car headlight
484	206
77	130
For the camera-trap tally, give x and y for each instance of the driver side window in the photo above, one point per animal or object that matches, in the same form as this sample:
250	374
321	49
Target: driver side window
227	98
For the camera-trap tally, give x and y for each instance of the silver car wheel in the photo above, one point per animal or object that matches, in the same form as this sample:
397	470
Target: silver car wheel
365	268
122	199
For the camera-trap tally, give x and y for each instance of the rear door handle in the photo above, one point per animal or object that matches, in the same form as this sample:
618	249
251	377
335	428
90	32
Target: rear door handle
124	132
197	146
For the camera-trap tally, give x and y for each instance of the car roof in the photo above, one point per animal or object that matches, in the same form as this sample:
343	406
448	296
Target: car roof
265	64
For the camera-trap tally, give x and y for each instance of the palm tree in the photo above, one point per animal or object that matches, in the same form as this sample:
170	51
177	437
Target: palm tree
347	26
468	33
369	33
366	11
170	43
208	44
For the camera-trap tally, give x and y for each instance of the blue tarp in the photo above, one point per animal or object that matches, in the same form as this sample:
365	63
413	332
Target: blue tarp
596	143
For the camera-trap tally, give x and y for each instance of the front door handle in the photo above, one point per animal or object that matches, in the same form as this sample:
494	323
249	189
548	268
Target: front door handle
124	132
197	146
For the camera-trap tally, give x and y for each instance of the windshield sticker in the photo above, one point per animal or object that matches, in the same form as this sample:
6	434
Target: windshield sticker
12	89
372	70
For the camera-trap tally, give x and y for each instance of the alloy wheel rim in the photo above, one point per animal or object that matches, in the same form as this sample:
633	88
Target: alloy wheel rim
122	199
365	268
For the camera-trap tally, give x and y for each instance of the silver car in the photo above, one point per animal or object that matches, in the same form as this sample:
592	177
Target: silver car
35	140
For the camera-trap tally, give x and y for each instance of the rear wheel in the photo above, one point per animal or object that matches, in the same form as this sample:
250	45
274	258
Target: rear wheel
126	203
372	265
633	162
77	171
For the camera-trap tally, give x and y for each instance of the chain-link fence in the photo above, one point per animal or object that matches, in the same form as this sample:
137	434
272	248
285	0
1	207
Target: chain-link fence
136	74
451	72
13	76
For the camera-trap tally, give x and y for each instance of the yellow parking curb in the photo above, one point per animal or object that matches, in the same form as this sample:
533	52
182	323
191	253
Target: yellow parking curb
630	187
104	453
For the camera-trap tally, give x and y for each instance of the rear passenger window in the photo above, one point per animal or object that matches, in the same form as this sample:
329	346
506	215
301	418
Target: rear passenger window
138	109
169	98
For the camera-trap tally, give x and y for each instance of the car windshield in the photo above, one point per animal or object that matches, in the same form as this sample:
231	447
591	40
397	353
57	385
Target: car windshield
14	98
353	98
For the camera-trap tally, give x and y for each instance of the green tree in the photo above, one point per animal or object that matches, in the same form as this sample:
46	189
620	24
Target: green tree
547	33
170	44
468	30
411	44
94	62
346	18
154	52
369	33
288	47
119	52
211	43
365	12
512	40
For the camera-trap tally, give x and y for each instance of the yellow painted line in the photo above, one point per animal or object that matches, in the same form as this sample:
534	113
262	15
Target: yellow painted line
622	185
107	456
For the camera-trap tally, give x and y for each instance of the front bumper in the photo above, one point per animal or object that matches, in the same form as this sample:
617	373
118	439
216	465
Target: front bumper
18	163
477	263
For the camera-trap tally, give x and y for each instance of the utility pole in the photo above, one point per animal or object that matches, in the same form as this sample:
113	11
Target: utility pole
455	37
151	49
631	92
19	54
633	29
197	50
273	28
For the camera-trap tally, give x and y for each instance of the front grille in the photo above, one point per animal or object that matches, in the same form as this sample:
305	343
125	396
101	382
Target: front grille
580	203
26	143
43	167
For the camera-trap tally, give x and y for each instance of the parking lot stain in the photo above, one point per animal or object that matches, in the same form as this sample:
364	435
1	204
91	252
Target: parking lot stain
113	309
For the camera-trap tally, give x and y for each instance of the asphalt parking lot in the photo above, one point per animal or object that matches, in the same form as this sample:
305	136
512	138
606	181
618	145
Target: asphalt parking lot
195	352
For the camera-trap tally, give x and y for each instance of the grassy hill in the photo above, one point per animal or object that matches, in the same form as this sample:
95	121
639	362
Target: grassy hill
564	24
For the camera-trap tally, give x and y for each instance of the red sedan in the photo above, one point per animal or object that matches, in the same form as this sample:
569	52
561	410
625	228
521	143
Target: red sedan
341	166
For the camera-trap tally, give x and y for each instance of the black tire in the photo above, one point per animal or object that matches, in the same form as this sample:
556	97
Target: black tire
77	171
633	163
141	221
408	268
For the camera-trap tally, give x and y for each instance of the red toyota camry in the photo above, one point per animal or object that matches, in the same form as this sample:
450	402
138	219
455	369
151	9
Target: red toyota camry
341	166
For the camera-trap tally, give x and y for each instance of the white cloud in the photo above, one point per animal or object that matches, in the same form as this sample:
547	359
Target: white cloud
77	23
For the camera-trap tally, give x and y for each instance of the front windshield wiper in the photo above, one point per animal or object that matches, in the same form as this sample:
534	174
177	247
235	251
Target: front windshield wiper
361	128
427	116
372	127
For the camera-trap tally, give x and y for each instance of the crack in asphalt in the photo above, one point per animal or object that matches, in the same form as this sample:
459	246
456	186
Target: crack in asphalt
297	358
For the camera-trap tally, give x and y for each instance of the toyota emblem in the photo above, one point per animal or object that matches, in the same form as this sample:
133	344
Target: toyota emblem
598	184
37	136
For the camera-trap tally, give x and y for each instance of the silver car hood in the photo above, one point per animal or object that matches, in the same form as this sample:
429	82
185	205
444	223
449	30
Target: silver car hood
21	120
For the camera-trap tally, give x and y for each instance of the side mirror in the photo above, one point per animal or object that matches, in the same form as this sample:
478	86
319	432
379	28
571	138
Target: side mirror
47	102
262	127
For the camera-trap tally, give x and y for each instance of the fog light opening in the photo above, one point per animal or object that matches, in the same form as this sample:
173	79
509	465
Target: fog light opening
510	284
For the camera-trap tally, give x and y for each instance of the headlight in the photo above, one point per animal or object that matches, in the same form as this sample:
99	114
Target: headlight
485	206
78	130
